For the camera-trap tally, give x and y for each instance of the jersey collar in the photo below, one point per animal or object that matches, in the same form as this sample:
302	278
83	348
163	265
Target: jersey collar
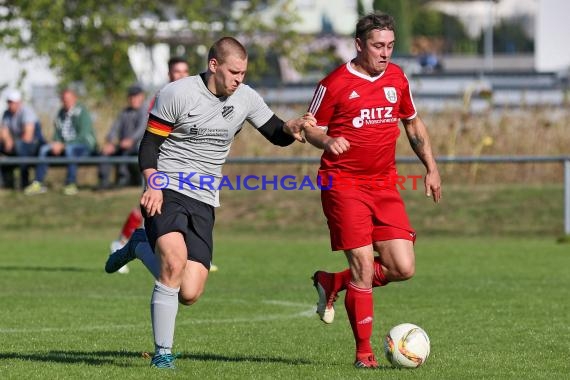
353	71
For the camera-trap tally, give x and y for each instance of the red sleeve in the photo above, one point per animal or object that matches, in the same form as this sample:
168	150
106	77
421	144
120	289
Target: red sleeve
322	105
407	106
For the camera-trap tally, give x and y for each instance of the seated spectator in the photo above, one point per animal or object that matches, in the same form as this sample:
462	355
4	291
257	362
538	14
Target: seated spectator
6	171
123	139
430	63
21	135
73	137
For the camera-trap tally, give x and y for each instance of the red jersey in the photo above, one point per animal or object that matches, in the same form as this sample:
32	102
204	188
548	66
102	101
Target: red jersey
365	111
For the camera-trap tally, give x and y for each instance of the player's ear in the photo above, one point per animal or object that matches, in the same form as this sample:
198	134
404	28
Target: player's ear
358	44
213	64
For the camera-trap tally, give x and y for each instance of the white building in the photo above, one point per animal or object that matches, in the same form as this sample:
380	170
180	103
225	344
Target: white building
477	15
551	48
25	74
338	17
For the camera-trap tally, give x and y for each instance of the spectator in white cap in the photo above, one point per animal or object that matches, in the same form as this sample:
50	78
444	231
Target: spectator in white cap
20	135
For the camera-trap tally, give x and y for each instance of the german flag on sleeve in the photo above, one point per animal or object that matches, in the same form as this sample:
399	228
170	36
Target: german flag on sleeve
158	126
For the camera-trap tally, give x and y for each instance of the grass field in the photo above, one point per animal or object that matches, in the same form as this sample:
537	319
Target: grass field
494	305
494	308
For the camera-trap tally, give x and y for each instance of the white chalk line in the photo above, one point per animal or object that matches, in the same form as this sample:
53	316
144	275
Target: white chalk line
305	313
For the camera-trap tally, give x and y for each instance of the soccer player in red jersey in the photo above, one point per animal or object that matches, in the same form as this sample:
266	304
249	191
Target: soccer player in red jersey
358	108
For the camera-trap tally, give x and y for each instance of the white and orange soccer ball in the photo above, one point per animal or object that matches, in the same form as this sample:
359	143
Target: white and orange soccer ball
406	346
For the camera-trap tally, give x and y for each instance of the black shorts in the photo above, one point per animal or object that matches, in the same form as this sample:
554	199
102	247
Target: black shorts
192	218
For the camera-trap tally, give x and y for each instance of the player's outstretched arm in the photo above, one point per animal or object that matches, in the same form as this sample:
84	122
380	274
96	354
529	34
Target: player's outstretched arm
295	127
284	133
420	143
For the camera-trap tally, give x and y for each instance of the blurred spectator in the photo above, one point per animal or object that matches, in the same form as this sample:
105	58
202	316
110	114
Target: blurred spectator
430	63
124	138
73	137
20	135
177	68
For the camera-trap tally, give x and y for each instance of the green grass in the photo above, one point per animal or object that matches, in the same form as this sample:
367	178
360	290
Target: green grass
494	308
491	290
467	210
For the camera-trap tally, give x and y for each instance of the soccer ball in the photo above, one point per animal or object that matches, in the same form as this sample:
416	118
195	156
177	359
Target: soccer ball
406	346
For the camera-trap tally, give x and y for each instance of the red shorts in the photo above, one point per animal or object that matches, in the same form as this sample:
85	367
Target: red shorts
360	215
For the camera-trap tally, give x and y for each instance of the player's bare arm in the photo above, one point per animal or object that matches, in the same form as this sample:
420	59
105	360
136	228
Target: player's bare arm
318	137
295	127
420	143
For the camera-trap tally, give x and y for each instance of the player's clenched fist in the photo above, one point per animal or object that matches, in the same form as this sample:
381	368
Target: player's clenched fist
336	145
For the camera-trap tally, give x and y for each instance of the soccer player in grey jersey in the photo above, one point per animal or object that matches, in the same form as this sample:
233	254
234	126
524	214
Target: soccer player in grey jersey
190	129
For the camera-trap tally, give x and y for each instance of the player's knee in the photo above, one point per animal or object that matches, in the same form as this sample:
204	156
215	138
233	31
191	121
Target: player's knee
188	300
406	272
173	269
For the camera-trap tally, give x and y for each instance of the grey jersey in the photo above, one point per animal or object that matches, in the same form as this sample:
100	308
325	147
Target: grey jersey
130	123
15	122
203	128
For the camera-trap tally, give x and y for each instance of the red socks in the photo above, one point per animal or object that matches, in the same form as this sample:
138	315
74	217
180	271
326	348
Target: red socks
340	280
134	221
359	305
379	278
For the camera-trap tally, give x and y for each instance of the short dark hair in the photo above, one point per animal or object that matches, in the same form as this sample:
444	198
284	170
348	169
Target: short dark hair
225	47
176	60
372	21
69	89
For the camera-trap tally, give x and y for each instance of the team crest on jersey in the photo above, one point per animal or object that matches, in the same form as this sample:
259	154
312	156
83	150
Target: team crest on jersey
391	94
228	112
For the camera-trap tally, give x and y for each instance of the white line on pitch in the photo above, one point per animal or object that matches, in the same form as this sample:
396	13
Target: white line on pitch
254	319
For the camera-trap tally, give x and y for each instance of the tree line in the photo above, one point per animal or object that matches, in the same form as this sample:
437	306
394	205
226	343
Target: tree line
87	41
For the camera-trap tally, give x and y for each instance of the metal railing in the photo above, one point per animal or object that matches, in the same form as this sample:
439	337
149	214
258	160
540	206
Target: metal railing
97	160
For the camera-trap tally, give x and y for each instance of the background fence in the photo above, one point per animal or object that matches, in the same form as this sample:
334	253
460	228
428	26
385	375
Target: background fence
97	160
